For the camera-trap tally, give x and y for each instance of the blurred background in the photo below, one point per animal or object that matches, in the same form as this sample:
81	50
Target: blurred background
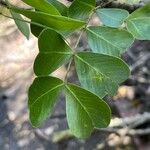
130	124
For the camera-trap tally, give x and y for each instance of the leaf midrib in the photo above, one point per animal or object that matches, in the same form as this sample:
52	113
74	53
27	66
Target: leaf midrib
90	66
104	39
138	31
80	103
95	69
62	18
36	100
84	107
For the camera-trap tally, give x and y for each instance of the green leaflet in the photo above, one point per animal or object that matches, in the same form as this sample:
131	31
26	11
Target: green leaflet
81	9
107	40
99	73
54	52
112	17
138	23
42	5
60	23
22	26
36	30
60	7
85	111
43	95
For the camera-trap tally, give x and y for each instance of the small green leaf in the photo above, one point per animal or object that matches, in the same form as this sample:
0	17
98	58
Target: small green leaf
85	111
54	52
138	23
99	73
60	23
22	26
81	9
42	5
60	7
107	40
43	95
112	17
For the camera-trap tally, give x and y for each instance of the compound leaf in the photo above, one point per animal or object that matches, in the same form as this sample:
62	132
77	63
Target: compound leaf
54	52
108	40
99	73
112	17
43	95
85	111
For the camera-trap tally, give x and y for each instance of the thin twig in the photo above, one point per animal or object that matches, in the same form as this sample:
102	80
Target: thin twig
68	69
70	62
76	45
78	40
